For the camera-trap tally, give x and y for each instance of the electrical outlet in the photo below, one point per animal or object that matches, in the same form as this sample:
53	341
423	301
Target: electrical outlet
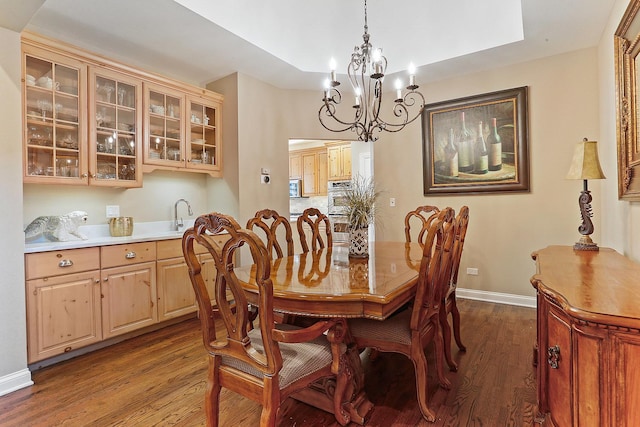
265	179
392	202
472	271
113	211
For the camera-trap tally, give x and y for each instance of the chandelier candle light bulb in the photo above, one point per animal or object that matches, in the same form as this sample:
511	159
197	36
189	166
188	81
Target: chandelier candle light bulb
398	90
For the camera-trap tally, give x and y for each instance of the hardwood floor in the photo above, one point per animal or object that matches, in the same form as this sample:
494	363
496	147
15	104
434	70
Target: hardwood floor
159	379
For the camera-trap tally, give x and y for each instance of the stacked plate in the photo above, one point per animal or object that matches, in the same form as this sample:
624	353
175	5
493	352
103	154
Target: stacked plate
30	80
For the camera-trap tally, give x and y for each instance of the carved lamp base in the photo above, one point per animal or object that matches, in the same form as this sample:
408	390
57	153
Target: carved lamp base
586	244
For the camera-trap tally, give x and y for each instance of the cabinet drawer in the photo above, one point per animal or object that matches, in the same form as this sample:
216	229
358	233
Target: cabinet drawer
173	248
55	263
134	253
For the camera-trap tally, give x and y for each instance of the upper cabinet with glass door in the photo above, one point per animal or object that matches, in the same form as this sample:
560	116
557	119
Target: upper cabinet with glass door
114	131
54	131
164	126
204	150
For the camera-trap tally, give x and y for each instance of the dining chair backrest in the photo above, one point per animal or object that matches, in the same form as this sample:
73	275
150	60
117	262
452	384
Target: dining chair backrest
435	269
421	217
233	310
313	218
462	222
277	232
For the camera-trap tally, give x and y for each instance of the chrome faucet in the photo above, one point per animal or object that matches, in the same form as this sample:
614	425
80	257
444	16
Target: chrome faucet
178	223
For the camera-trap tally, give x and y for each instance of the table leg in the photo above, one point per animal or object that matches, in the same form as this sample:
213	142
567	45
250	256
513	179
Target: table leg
351	403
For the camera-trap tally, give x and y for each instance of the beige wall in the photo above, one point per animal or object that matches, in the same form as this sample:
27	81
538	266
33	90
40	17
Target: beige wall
505	228
13	341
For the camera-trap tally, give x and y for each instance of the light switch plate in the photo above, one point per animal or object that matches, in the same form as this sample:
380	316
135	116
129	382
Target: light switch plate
392	202
113	211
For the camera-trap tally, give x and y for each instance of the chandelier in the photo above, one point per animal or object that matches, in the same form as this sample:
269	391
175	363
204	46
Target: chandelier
366	72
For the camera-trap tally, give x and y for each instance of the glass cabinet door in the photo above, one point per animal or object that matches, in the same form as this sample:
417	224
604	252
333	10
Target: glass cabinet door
54	126
114	116
203	144
165	126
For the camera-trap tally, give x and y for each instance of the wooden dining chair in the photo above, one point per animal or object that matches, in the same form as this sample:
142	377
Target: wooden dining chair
410	330
277	232
421	217
312	218
266	364
449	303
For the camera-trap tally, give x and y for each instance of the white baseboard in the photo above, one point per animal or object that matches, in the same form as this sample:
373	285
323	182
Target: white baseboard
15	381
497	297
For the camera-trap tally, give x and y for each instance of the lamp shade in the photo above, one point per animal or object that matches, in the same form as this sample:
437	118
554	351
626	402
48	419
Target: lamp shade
585	163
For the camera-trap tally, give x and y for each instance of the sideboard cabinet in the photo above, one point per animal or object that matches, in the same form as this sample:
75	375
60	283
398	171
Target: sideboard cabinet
588	338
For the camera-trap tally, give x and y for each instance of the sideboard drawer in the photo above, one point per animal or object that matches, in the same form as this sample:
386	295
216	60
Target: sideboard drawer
56	263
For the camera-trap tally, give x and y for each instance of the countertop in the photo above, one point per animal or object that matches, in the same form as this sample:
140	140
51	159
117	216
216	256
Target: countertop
98	235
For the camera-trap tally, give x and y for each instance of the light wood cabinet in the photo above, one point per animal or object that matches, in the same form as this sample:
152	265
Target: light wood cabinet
311	167
588	340
175	291
54	93
86	122
339	162
204	150
128	287
164	130
115	151
63	301
182	130
77	297
295	165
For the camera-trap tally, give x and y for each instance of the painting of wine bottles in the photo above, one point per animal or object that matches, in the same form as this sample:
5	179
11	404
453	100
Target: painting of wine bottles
476	144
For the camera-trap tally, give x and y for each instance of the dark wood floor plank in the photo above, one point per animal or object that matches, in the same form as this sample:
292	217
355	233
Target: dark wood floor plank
159	379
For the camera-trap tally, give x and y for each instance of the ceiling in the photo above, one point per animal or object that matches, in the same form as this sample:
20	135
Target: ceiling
288	43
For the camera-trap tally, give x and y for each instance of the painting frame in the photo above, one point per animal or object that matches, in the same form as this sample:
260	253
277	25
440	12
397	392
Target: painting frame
627	61
443	128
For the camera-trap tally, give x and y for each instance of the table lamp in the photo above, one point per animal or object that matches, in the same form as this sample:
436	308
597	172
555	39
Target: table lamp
585	166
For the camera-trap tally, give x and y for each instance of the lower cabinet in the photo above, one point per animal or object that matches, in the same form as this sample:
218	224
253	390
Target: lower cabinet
63	313
128	298
78	297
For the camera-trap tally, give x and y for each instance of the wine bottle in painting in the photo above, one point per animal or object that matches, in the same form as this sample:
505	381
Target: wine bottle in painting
481	165
465	155
451	156
495	147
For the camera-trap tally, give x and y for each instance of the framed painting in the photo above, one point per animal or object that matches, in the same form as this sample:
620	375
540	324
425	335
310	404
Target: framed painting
476	144
627	62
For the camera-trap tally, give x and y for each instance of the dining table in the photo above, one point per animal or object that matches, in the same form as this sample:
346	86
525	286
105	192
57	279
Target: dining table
329	284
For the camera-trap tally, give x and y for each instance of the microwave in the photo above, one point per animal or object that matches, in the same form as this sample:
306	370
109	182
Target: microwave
295	188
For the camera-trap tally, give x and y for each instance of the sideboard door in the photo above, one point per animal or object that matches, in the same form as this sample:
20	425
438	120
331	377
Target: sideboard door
557	360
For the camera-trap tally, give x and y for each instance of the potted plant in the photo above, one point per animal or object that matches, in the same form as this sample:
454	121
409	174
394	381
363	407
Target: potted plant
360	211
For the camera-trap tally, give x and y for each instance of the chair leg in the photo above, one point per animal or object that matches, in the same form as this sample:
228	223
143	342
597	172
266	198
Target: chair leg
212	396
420	365
442	379
446	336
455	316
270	403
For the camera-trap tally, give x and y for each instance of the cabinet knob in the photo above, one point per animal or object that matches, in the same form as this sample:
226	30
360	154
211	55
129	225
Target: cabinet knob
553	356
84	175
130	255
65	263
